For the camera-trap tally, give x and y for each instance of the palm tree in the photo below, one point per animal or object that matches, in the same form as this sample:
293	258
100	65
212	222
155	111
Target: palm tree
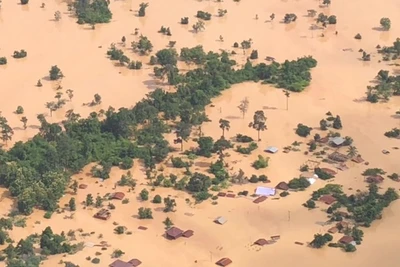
259	122
224	125
24	120
352	151
287	94
52	106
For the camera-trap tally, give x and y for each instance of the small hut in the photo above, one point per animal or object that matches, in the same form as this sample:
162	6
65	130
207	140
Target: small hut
336	156
375	179
327	199
358	159
261	242
220	220
271	149
221	194
131	263
224	262
117	195
173	233
282	186
83	186
333	230
259	199
188	233
103	214
346	239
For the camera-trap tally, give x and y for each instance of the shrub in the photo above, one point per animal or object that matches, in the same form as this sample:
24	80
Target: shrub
3	60
20	54
254	54
310	204
298	183
48	215
177	162
253	179
284	194
260	163
157	199
303	130
203	15
332	19
55	73
20	110
243	138
247	150
394	133
144	194
235	45
322	175
96	261
385	23
24	2
184	20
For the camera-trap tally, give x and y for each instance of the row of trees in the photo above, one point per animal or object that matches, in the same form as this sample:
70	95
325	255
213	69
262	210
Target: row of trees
387	86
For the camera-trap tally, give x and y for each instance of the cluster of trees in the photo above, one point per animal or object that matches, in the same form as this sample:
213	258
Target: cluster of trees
385	23
24	253
203	15
38	171
142	9
364	207
92	12
387	86
324	19
390	52
331	121
299	183
117	54
20	54
165	31
143	46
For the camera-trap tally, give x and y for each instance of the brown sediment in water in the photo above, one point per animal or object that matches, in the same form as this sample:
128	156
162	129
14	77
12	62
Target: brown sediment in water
338	82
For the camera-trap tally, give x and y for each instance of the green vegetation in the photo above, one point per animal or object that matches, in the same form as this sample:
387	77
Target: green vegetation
145	213
144	195
165	31
142	9
3	60
20	54
157	199
260	163
55	73
24	2
203	15
38	171
324	19
184	20
394	133
247	150
385	23
303	130
298	183
320	240
322	174
143	46
290	17
243	138
92	12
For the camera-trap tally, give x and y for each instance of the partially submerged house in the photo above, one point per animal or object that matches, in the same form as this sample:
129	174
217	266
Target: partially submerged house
375	179
327	199
271	149
188	233
103	214
220	220
329	171
333	230
337	141
263	242
358	159
346	239
131	263
259	199
336	156
117	195
83	186
265	191
224	262
282	186
173	233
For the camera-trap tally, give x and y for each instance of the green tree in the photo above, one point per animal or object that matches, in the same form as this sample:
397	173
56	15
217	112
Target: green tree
199	26
224	125
244	106
168	223
99	202
74	186
142	9
170	204
52	106
337	123
72	204
144	195
326	2
20	110
24	120
24	2
89	200
55	73
183	131
206	144
352	152
144	45
385	23
157	199
259	122
92	12
145	213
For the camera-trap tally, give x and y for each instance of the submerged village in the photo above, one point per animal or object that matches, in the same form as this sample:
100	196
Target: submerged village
223	134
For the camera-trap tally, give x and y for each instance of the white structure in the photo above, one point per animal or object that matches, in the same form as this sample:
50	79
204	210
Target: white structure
265	191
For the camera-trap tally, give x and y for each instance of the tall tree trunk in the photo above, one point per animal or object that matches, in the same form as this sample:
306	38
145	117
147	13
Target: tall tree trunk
223	132
182	145
258	135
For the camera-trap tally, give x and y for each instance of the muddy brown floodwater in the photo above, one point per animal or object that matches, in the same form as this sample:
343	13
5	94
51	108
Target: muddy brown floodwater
338	85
